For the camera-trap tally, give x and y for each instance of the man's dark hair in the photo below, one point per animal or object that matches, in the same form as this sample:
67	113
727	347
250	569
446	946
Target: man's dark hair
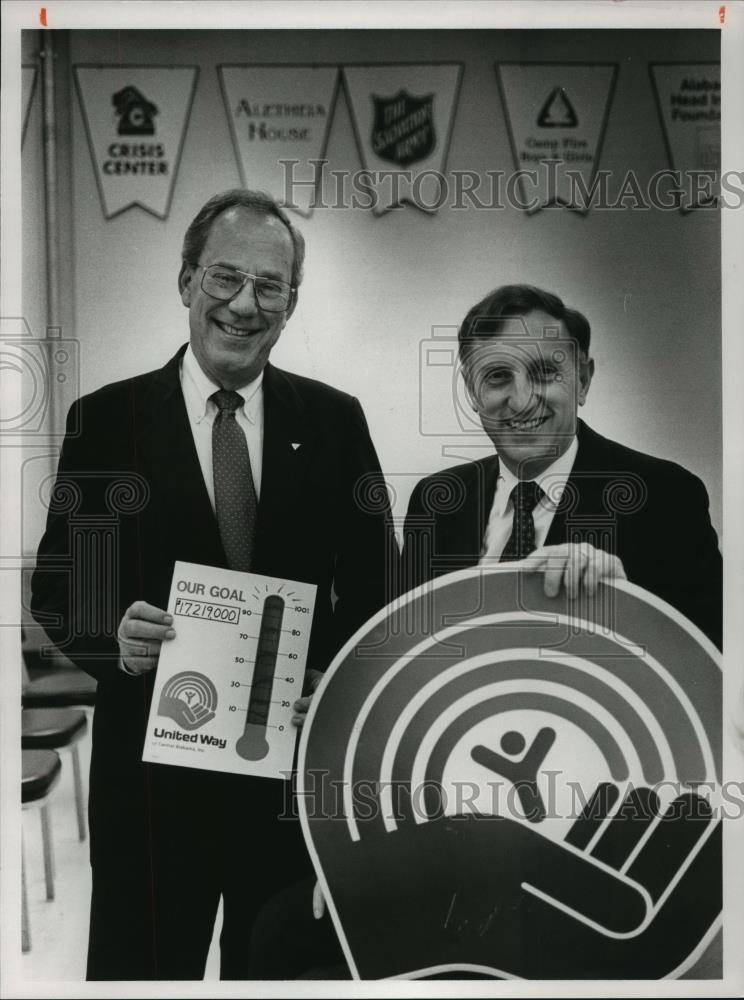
198	232
489	316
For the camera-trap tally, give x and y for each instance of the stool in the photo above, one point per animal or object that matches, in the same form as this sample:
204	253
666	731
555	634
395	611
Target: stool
61	687
40	770
55	729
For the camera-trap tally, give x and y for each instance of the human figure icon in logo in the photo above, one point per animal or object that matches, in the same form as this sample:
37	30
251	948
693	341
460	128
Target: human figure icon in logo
520	770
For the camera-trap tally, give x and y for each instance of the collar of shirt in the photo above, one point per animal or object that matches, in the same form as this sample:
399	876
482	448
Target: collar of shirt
552	482
198	387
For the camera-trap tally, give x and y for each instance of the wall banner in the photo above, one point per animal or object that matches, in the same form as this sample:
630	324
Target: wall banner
136	118
688	96
279	121
556	115
28	86
403	116
496	781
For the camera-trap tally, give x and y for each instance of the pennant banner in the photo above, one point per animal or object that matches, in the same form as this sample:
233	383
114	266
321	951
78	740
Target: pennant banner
556	115
279	120
135	118
28	86
688	96
403	116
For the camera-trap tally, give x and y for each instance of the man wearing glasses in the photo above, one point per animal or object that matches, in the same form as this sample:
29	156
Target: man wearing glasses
240	465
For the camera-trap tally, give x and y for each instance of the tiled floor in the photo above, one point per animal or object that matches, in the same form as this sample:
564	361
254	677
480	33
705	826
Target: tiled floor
59	928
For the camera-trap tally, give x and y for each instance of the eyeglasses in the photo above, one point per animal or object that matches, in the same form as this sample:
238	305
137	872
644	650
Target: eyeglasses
222	282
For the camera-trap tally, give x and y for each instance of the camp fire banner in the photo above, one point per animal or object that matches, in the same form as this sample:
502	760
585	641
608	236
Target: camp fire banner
688	96
136	118
279	120
403	116
28	85
556	114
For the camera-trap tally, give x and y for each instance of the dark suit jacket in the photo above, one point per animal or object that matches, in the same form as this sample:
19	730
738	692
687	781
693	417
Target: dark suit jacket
651	513
130	500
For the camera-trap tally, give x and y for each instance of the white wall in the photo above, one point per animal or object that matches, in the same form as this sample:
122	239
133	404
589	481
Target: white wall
374	287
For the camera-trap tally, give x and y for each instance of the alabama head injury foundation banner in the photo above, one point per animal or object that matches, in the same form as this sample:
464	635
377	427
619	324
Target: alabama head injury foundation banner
688	96
403	116
136	118
280	113
492	780
556	115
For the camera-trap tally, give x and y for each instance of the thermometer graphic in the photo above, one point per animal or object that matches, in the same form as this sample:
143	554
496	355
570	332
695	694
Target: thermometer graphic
253	744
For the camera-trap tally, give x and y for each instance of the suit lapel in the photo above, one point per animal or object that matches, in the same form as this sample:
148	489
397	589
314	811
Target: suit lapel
187	518
466	527
288	444
582	500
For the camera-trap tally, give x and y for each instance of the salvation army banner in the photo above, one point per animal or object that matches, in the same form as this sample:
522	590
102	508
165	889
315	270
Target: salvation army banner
556	115
688	96
495	781
403	116
28	85
135	118
280	113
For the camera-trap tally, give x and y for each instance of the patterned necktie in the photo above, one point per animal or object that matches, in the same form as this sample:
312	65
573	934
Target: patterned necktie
524	497
234	492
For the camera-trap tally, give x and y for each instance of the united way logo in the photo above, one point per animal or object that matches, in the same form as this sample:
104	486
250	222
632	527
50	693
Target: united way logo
403	128
135	113
189	699
499	782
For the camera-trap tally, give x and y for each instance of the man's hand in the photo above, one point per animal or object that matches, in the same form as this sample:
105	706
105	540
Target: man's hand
301	706
141	633
576	564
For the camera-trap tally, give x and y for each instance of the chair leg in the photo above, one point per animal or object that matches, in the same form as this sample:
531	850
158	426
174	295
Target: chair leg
79	795
25	929
46	839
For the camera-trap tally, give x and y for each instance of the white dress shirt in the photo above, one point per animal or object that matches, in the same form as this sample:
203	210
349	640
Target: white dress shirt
197	388
501	519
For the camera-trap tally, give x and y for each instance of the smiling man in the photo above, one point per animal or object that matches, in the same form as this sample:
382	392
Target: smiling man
581	507
221	459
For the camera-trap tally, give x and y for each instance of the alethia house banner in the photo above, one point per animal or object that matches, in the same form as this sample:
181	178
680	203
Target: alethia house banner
403	116
136	119
279	120
556	114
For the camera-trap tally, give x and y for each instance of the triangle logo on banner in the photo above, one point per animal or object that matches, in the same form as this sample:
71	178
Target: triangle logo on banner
28	86
688	96
403	116
557	112
556	115
136	118
279	118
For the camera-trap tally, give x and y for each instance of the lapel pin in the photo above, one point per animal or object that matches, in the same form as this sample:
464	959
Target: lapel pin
296	445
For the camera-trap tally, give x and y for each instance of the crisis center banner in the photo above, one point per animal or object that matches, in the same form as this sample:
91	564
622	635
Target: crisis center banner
135	119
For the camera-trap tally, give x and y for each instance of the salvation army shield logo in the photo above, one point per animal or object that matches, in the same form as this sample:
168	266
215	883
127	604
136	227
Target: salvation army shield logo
496	781
403	128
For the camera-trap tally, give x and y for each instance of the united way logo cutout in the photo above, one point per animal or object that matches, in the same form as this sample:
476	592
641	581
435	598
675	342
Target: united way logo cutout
495	781
189	699
403	128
